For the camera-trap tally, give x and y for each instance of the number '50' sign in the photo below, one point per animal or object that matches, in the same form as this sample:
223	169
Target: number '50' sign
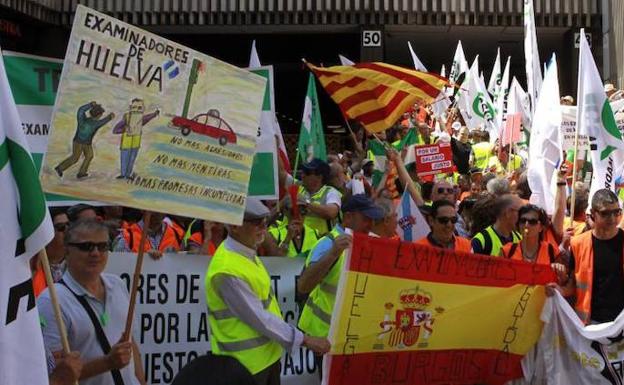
371	38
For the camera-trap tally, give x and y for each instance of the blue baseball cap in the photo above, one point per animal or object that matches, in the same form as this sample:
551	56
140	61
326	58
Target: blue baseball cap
363	204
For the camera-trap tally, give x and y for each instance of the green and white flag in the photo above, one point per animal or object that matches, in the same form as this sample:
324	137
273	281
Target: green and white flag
377	153
495	76
596	120
475	105
311	136
500	98
531	56
460	65
25	229
263	182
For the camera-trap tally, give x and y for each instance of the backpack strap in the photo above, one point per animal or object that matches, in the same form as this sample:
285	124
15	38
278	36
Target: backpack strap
512	250
99	332
551	253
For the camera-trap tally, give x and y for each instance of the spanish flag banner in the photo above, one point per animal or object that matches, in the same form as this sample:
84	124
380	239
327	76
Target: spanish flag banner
377	94
411	314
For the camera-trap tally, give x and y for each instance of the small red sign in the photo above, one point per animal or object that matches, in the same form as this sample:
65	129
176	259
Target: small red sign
432	159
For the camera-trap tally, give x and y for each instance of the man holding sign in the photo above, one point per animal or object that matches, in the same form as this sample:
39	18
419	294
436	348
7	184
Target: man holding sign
245	320
94	307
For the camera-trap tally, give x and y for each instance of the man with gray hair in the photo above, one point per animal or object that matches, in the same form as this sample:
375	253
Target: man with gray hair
245	319
386	226
94	306
597	278
491	240
498	186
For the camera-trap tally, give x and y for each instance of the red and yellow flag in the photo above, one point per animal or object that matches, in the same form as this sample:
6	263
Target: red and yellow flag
377	94
411	314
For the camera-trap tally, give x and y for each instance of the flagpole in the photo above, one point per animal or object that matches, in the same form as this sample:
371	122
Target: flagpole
574	170
510	148
127	334
45	263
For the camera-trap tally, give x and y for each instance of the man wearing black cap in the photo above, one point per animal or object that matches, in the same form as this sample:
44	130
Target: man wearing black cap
320	277
323	200
245	320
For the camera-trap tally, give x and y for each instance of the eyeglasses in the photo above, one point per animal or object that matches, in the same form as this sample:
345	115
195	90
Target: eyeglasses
61	227
446	220
90	246
530	221
610	213
448	190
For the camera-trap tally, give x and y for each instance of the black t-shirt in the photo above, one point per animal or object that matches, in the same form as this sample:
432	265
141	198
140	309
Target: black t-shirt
608	281
461	155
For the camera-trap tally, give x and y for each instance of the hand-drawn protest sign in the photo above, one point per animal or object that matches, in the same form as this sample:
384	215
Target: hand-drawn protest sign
171	325
412	314
148	123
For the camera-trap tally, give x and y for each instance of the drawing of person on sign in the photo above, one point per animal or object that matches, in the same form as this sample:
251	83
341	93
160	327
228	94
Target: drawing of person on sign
131	128
88	123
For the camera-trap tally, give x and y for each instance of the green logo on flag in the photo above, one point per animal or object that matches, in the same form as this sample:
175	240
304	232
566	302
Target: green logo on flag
609	124
483	109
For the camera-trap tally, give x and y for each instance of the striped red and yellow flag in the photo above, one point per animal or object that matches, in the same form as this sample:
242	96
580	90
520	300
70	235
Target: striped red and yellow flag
377	94
411	314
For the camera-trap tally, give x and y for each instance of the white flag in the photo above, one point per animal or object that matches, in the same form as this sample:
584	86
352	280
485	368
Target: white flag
254	60
531	55
570	354
596	120
443	71
460	65
345	61
545	143
500	98
475	105
411	225
25	229
418	65
517	103
496	76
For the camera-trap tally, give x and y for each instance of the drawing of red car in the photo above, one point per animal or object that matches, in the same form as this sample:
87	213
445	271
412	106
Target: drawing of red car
209	124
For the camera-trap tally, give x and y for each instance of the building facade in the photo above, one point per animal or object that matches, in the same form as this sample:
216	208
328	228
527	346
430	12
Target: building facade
362	30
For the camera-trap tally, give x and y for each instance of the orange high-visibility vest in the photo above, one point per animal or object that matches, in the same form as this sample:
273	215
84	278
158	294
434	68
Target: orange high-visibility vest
461	244
583	250
171	239
39	281
545	253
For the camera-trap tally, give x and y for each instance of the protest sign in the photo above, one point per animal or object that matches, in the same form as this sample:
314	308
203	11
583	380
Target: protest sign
411	314
264	179
432	159
147	123
34	82
568	130
171	325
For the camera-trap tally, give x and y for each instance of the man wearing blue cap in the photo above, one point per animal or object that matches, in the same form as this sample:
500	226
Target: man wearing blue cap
324	201
245	320
325	262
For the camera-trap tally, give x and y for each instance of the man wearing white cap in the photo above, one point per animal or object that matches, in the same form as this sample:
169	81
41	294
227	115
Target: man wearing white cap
245	320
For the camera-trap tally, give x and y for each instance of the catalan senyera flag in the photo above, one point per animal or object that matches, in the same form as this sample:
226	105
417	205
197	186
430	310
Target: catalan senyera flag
411	314
377	94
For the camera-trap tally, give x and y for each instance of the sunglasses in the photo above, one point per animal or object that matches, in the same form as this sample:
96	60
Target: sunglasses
530	221
61	227
610	213
446	220
442	190
90	246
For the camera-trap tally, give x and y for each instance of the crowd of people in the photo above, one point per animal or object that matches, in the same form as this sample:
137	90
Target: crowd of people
481	207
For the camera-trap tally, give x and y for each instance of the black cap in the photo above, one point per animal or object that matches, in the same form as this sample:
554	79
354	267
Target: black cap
363	204
317	166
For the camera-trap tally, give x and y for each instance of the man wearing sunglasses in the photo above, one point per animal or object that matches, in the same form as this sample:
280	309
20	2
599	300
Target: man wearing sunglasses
596	263
324	200
320	277
245	319
442	220
94	306
491	240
